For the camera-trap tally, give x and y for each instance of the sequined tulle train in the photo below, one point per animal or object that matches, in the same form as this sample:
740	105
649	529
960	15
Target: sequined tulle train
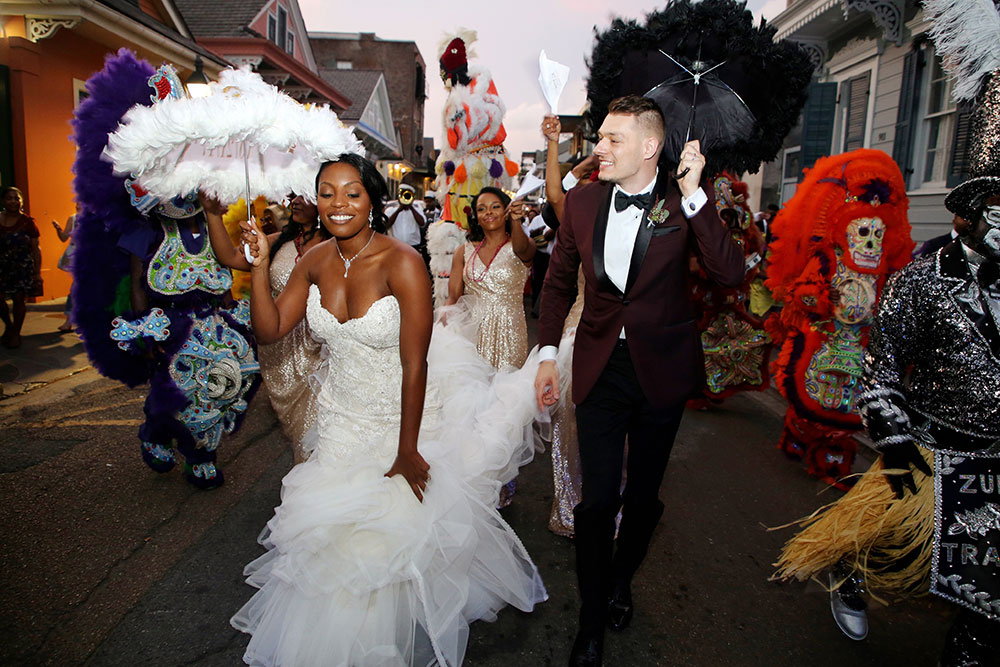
358	572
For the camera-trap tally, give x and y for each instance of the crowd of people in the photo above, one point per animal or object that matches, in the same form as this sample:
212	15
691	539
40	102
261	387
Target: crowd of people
391	335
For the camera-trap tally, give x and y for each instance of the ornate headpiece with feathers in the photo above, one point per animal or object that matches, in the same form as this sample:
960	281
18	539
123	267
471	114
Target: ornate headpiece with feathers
966	35
455	49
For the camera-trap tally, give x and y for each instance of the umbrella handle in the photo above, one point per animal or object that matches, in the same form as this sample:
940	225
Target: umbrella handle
246	175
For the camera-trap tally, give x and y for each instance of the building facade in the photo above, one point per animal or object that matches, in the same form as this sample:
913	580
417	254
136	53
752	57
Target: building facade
878	84
405	79
270	37
47	52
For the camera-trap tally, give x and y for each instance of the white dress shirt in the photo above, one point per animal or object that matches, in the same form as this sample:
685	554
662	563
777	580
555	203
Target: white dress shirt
619	240
405	228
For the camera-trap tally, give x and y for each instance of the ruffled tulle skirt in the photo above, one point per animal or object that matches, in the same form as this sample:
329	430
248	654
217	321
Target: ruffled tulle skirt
358	571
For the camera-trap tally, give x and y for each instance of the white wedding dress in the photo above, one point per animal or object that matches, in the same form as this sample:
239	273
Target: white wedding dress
358	571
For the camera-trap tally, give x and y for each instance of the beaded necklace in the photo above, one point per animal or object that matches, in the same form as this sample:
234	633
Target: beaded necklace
486	265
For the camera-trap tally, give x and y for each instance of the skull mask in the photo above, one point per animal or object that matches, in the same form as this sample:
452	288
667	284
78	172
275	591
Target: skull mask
864	242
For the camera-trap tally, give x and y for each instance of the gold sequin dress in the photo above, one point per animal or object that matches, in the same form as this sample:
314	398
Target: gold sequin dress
499	302
287	364
566	475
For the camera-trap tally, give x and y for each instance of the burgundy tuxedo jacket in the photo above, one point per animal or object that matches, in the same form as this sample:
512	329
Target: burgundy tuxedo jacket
655	309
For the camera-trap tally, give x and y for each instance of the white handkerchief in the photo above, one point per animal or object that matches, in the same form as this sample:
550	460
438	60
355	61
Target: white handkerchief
553	77
529	184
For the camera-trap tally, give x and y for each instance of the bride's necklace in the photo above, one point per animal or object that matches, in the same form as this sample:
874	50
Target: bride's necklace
347	262
486	265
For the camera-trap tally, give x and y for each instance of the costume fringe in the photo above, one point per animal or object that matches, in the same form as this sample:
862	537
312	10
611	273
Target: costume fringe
885	540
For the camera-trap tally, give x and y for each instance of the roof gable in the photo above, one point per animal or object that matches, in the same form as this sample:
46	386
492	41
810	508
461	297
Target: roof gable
369	100
295	25
219	18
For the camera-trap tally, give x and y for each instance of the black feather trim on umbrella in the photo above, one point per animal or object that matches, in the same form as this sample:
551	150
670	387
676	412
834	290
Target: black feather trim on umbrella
749	71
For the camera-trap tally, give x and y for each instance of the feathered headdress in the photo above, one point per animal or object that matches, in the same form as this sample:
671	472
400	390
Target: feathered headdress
966	35
455	49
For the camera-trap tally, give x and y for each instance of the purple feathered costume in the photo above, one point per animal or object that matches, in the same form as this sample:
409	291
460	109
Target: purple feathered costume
183	335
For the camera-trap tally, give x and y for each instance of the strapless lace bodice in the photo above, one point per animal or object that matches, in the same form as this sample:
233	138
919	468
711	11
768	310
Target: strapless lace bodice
361	379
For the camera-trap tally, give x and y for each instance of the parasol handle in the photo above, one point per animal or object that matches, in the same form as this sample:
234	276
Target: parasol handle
246	177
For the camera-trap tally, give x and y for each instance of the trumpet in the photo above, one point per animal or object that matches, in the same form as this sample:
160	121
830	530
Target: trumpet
406	197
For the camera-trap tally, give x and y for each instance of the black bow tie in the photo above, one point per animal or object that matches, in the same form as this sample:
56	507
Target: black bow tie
623	201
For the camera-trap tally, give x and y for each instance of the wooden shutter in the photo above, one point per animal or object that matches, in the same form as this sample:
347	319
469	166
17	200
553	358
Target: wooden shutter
958	166
818	116
907	110
857	110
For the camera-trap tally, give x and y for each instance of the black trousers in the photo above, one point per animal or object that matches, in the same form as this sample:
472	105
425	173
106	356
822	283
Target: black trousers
616	408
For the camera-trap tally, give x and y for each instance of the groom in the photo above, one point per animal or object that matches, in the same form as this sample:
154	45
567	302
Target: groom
638	353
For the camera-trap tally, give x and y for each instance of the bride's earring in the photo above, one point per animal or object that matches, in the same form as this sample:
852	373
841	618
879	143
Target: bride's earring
371	220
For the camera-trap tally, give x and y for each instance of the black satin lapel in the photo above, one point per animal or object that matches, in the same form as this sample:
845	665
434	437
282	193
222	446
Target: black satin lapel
639	250
645	232
600	231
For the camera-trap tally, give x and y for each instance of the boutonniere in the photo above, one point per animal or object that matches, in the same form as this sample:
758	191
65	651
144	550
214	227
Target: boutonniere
658	214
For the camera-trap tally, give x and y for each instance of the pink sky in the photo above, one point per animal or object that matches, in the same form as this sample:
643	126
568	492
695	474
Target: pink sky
511	34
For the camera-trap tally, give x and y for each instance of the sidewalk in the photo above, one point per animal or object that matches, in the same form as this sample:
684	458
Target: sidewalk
45	355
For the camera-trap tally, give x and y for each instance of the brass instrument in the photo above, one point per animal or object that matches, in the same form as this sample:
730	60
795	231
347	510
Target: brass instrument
405	197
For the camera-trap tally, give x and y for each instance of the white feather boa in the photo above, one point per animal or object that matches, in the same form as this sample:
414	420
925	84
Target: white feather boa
180	145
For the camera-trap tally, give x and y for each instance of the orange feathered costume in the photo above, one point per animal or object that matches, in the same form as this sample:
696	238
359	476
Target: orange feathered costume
835	244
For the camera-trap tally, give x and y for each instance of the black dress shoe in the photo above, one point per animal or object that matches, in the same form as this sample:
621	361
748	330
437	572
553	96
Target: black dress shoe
620	608
587	650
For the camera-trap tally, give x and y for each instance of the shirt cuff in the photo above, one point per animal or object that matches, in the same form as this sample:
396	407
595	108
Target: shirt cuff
547	353
569	181
691	205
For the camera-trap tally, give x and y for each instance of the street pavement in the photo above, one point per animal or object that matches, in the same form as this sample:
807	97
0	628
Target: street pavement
108	563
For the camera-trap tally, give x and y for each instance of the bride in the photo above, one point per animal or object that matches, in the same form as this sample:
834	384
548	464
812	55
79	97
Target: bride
386	545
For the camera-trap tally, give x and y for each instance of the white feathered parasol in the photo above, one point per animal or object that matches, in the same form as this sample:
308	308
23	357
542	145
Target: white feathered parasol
246	136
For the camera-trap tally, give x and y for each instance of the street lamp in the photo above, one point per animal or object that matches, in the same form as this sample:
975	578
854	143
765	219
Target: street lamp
197	83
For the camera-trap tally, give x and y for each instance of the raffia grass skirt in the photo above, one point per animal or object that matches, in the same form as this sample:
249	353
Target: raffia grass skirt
885	540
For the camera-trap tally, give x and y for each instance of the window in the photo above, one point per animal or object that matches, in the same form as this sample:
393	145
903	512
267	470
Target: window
419	85
282	28
290	44
791	172
79	93
932	148
938	125
272	28
345	64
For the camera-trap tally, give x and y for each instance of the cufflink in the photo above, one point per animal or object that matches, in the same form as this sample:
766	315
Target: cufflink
691	205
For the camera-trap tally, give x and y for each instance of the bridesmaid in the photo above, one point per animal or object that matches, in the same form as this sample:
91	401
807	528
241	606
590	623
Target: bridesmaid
286	364
493	267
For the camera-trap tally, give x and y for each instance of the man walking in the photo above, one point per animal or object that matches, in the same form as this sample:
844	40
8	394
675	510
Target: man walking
637	356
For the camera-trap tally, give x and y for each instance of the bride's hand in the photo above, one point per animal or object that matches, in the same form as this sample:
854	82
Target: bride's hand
256	246
414	469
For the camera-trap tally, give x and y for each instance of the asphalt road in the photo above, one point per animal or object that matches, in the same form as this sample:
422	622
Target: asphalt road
107	563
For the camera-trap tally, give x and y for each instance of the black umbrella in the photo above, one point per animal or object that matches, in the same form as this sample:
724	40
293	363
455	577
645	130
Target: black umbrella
717	77
716	114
